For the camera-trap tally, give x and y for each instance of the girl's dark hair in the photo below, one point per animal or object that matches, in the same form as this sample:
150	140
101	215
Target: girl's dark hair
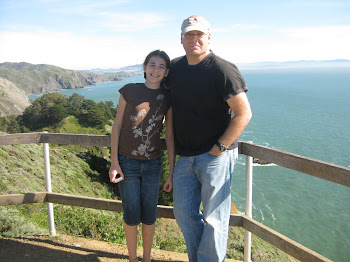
159	53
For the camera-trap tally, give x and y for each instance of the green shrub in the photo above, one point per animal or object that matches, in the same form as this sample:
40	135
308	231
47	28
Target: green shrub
90	223
13	224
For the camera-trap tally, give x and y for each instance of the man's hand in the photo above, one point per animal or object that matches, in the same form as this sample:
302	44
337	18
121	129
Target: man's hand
215	151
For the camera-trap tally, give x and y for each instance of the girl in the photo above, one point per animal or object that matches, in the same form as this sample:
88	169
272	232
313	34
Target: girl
136	153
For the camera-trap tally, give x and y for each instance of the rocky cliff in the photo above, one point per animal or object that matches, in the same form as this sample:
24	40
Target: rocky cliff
21	79
35	79
13	100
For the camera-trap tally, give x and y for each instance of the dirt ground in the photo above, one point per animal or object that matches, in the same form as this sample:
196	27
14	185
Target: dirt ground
70	249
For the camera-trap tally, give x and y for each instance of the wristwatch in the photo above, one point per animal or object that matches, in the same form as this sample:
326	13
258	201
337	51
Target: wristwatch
222	147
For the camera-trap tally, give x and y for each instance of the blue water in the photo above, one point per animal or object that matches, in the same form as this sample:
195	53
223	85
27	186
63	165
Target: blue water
306	113
302	111
105	91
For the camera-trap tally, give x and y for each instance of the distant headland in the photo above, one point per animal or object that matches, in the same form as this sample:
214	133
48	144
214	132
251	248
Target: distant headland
17	80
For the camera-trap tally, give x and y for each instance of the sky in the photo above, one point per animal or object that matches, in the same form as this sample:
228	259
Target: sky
87	34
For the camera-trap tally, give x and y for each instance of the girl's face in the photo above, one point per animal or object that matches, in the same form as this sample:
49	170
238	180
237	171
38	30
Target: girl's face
155	70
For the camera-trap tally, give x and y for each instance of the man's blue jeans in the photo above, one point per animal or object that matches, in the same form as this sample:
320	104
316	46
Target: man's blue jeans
204	178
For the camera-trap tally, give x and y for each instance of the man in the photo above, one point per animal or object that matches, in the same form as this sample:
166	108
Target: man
210	111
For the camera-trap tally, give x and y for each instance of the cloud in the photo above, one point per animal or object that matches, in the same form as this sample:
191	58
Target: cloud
220	30
318	4
132	22
329	33
61	49
238	27
291	44
246	27
75	51
86	8
71	51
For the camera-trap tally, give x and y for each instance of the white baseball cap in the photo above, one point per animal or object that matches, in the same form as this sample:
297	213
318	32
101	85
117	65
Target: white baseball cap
195	23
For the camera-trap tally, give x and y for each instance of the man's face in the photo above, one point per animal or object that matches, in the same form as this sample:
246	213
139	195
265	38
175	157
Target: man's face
195	43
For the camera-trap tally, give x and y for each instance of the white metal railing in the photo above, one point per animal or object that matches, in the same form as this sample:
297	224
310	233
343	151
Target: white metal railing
49	187
248	207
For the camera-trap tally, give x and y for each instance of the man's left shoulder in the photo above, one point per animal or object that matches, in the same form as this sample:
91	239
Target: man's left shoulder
223	63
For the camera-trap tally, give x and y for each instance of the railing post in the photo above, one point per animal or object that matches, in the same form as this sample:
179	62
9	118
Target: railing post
48	187
248	207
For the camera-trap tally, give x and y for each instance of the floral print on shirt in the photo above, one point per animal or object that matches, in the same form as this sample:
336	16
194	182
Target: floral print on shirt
149	131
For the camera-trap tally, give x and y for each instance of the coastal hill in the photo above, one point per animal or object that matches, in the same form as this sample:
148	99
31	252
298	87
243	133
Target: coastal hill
36	79
13	100
17	80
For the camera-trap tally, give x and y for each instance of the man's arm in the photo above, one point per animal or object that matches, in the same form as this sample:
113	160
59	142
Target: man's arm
241	108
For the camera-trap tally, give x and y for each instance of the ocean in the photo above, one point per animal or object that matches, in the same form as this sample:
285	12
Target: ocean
305	111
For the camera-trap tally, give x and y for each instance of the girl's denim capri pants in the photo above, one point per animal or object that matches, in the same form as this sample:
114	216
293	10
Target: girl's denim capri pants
140	189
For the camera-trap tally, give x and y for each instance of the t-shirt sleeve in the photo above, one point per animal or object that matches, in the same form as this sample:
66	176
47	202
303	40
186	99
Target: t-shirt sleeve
233	82
125	91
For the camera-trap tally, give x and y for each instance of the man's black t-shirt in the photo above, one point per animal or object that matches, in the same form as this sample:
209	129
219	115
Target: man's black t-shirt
198	95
